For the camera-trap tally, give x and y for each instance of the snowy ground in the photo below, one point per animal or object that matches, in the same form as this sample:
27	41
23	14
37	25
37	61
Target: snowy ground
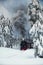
17	57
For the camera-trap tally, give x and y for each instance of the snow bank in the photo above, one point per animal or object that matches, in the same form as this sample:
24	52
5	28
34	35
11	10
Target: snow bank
17	57
12	53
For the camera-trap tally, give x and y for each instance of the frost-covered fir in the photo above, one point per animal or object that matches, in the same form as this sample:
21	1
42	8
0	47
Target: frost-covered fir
4	31
33	10
37	30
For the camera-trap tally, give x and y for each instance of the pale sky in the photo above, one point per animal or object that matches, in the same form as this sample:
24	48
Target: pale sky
11	5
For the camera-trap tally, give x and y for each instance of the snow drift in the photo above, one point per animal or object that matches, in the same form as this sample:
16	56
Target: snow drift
17	57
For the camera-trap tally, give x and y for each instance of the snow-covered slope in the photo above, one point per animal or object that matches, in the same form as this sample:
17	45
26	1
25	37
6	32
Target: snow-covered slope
12	53
17	57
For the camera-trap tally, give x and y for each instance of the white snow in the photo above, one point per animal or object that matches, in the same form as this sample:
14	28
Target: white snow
7	29
17	57
12	53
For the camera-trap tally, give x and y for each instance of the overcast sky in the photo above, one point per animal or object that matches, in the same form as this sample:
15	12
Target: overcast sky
10	5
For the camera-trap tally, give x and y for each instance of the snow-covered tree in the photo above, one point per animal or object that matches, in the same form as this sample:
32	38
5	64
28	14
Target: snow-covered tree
1	33
33	10
36	32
